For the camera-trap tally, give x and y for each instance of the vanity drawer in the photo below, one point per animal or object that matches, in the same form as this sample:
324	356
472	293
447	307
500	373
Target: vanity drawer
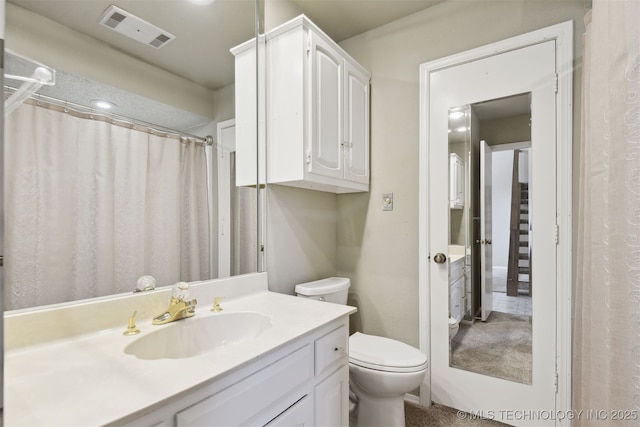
331	349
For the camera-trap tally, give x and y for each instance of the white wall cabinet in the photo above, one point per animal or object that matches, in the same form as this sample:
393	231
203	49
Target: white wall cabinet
250	154
317	111
456	182
305	383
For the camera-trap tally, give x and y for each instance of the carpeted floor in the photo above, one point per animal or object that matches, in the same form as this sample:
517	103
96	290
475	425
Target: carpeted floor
499	347
442	416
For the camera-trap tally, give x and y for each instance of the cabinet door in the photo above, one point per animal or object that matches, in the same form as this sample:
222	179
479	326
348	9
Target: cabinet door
332	399
326	66
299	415
356	125
256	399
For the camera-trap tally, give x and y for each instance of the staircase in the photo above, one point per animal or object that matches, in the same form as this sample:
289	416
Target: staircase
519	268
524	252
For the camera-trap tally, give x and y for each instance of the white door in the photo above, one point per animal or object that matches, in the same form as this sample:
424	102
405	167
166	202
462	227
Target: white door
486	257
356	125
326	78
529	70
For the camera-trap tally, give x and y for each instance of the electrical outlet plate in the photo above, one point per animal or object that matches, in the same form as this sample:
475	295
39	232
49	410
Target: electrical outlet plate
387	202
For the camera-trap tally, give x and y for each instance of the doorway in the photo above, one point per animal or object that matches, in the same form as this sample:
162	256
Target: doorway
527	66
495	337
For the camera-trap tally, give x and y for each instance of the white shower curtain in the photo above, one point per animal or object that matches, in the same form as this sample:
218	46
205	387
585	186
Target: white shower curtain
91	206
606	362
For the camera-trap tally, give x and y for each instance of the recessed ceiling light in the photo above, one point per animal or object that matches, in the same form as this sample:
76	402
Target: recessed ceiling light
461	129
202	2
103	105
456	114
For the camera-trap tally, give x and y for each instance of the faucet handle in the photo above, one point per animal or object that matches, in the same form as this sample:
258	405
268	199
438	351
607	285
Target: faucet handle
216	304
180	291
131	329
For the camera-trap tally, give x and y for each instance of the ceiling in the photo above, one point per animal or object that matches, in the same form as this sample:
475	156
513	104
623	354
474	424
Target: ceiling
205	33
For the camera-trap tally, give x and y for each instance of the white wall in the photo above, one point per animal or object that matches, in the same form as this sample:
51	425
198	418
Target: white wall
502	169
300	239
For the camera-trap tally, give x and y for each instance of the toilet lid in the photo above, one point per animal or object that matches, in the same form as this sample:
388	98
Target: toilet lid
384	354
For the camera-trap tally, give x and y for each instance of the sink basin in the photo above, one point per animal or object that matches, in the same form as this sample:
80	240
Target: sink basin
197	335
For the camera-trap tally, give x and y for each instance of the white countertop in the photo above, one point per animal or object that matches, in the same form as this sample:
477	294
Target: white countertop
456	253
453	258
88	380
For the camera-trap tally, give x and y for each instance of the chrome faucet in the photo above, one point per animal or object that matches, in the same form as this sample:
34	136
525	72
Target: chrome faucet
179	306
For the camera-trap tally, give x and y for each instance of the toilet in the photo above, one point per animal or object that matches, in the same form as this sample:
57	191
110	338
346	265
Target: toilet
381	370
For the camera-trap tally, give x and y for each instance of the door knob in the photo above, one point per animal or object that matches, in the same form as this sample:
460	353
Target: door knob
480	241
440	258
488	241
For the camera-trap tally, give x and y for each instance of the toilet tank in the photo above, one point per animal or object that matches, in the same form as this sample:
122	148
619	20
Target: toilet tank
332	289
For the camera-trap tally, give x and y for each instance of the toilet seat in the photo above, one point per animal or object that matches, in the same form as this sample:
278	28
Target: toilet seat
384	354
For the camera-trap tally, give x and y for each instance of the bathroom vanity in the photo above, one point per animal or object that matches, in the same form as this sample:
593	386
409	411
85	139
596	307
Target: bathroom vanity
457	282
69	365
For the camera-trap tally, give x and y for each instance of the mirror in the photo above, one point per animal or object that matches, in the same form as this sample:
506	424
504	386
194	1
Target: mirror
170	95
489	238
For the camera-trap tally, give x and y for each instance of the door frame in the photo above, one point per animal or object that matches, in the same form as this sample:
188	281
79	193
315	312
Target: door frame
563	35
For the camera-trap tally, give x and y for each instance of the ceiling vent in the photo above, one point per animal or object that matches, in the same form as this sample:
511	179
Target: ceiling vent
135	28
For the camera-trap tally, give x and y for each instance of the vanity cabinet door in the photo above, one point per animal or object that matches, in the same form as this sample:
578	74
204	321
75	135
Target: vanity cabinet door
332	378
332	399
299	415
257	399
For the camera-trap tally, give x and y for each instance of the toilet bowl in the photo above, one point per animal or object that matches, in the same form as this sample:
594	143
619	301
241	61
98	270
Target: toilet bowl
454	326
381	370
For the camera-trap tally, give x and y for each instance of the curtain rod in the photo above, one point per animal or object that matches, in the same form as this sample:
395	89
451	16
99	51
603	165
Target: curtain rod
83	109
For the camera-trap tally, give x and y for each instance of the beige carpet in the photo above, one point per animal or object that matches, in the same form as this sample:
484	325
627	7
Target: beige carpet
499	347
442	416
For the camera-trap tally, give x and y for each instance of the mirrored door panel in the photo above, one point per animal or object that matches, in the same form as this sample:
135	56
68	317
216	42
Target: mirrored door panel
490	281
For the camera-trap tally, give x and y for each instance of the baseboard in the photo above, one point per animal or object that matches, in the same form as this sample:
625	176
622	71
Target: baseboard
412	398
